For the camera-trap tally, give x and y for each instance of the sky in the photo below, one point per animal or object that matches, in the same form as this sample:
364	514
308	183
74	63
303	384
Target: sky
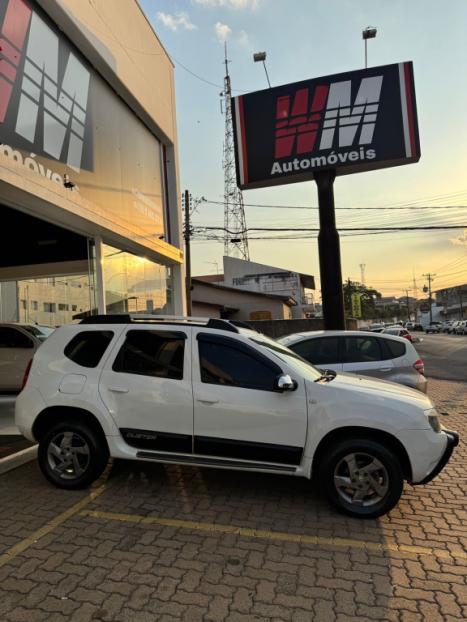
311	38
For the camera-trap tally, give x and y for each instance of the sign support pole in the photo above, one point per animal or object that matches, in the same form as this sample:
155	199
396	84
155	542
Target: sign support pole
329	254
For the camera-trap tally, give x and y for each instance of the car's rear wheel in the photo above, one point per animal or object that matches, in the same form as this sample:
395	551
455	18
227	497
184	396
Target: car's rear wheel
361	477
72	455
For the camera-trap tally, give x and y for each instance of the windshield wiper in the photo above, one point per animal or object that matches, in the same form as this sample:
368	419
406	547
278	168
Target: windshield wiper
327	375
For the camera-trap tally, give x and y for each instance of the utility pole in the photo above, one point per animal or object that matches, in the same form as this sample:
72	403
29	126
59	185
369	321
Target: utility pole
235	231
187	235
407	303
430	278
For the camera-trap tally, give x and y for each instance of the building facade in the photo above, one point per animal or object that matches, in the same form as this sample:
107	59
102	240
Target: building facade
91	220
264	279
453	301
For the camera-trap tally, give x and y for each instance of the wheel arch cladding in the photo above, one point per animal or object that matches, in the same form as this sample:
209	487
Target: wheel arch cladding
54	414
358	432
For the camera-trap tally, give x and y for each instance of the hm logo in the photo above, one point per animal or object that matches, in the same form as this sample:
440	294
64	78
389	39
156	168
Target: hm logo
52	103
298	123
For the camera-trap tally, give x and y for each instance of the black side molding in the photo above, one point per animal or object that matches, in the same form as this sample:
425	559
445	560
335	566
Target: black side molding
220	462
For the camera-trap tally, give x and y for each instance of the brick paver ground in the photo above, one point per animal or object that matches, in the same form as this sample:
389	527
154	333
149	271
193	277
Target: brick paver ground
95	560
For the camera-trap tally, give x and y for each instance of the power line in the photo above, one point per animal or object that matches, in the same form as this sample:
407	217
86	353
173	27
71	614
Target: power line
315	207
316	229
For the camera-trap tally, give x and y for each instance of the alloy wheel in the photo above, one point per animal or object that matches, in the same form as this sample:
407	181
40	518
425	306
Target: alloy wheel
361	479
68	455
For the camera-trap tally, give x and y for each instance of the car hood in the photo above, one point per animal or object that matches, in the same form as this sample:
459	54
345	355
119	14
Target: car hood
374	388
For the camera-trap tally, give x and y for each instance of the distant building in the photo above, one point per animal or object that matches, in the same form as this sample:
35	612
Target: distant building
387	301
260	278
219	301
454	301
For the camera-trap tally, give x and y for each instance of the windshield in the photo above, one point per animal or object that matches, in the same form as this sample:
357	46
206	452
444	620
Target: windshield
41	332
294	361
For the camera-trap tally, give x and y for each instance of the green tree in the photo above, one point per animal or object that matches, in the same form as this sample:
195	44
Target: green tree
368	299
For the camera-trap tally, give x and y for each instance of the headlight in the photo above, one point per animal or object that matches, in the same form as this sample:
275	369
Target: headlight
433	419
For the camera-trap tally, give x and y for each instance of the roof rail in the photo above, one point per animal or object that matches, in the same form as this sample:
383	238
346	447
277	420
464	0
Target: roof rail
135	318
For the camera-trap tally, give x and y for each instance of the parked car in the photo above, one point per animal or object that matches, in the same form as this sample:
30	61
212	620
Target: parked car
397	331
453	327
417	326
383	356
210	393
409	325
17	346
433	327
461	328
446	326
39	331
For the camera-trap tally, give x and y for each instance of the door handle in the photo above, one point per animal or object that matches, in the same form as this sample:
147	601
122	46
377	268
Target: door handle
118	389
207	401
385	368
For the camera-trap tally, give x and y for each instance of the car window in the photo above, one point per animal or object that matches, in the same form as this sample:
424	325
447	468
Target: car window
396	349
159	354
362	349
87	348
223	362
12	338
320	351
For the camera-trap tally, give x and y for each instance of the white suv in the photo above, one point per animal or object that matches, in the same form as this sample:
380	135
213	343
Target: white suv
213	393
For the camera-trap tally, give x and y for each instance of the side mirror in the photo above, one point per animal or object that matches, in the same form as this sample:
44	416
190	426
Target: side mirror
284	383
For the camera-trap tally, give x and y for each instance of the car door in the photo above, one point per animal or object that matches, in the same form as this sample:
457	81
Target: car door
16	350
323	352
237	413
366	355
146	386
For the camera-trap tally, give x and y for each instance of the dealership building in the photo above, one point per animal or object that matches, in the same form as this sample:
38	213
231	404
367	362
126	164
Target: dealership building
90	215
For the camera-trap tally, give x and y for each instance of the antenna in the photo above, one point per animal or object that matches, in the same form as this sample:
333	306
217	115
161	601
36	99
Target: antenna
235	232
362	273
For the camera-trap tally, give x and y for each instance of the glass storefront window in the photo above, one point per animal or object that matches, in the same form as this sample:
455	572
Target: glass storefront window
50	301
135	284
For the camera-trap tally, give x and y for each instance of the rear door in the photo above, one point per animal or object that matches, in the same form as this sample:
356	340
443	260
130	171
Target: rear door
367	355
16	350
146	385
237	413
323	352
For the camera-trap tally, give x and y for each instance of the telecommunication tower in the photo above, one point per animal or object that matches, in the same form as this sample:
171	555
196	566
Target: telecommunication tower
235	232
362	273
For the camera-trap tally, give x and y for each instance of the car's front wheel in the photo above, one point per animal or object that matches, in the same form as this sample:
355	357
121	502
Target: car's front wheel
361	477
72	455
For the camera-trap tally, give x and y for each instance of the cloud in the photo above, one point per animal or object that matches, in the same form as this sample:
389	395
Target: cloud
223	32
230	4
176	21
461	240
243	39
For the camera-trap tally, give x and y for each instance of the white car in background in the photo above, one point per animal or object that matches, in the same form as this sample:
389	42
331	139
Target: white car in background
382	355
18	343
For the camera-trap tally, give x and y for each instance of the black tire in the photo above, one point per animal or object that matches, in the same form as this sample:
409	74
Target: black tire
83	442
390	479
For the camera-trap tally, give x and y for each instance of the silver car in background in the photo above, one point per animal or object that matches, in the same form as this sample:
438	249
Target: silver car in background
370	354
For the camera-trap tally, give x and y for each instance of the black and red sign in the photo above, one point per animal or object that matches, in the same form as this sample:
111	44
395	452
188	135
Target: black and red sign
349	122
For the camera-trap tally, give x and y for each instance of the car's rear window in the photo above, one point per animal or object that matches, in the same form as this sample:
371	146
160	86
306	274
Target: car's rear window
396	348
87	348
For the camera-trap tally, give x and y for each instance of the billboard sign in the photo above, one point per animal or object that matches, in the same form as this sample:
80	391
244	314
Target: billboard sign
349	122
59	117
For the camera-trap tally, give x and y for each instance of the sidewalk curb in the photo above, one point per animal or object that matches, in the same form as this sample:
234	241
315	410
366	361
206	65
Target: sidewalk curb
18	459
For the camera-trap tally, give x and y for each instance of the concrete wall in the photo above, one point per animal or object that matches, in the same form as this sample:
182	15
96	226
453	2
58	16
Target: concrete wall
281	328
200	309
